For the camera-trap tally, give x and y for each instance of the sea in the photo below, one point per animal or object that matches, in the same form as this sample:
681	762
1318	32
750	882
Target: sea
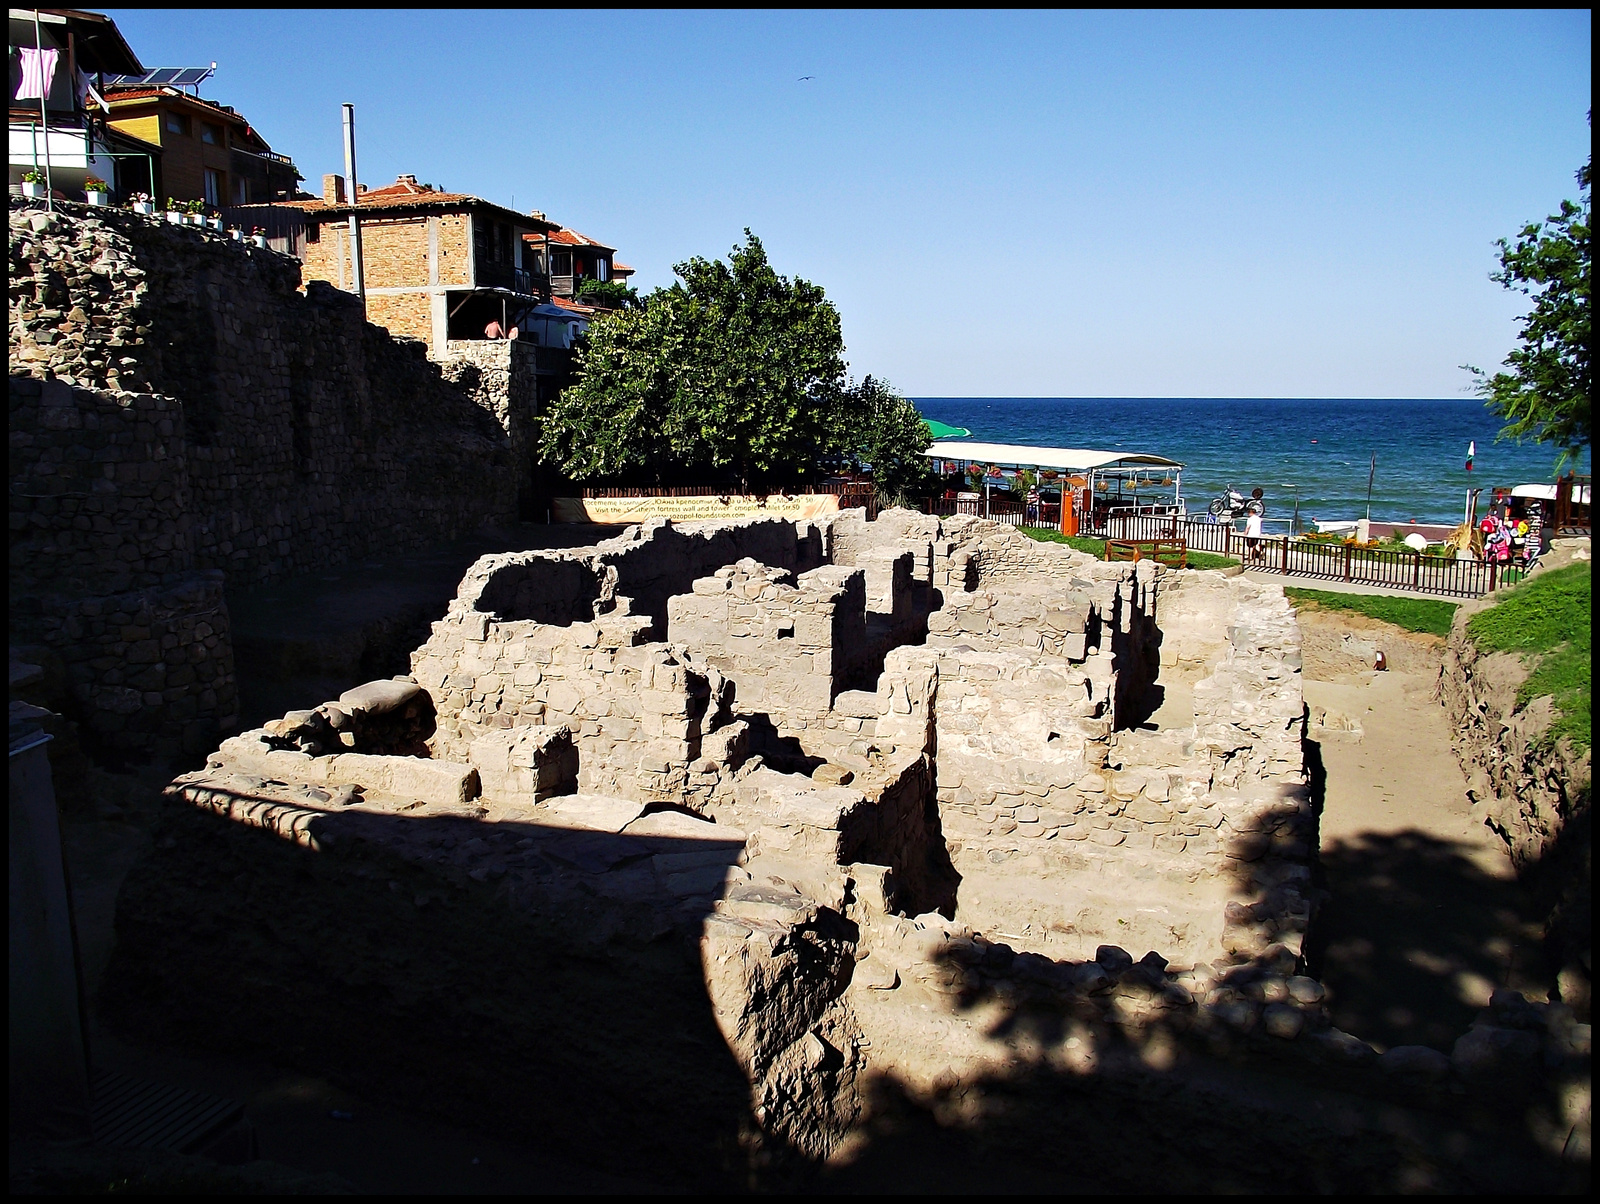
1309	456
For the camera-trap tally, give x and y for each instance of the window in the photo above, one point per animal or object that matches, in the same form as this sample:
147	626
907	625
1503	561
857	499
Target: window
213	188
177	123
211	133
505	243
602	269
561	263
240	193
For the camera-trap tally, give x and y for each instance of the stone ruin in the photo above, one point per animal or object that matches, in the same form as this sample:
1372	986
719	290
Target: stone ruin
886	776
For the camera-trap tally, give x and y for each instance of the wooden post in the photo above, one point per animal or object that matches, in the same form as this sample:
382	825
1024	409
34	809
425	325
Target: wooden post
1285	555
1416	573
1494	570
1348	551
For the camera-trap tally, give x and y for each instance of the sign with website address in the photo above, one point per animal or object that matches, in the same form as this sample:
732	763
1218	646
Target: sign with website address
707	508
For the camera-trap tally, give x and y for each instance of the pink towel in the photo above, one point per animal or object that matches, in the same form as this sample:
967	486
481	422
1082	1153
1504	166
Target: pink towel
38	70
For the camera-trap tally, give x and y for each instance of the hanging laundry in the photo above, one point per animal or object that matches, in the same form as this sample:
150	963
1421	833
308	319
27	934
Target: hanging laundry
83	88
38	72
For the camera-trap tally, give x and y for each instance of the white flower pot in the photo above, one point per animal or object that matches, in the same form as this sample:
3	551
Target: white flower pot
96	197
32	188
214	223
175	217
197	219
236	235
260	240
143	207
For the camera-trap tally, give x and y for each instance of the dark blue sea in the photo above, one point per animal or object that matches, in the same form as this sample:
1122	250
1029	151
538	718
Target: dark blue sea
1319	450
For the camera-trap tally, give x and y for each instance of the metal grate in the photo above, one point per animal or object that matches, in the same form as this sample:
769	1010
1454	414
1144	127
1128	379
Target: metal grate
152	1116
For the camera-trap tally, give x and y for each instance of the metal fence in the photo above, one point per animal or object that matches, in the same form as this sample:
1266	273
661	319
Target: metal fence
1392	568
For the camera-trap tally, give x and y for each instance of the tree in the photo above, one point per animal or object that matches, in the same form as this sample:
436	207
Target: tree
1544	394
884	432
612	294
734	371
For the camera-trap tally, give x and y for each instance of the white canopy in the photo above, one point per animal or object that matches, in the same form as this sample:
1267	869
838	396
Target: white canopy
1072	459
1548	493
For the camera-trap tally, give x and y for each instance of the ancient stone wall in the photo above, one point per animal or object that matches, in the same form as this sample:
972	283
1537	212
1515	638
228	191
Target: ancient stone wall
177	407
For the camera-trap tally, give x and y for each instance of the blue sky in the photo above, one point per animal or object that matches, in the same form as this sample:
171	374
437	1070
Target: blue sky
1000	204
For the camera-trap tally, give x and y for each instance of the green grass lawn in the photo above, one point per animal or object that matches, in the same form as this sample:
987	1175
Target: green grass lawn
1546	620
1097	547
1414	614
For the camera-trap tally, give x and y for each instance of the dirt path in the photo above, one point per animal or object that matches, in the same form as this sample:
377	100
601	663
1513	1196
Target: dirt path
1426	916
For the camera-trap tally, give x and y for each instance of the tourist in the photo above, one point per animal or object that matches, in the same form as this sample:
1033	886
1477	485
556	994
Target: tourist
1253	539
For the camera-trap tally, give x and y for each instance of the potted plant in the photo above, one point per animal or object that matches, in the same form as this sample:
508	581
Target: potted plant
259	237
236	234
197	213
33	182
95	190
175	211
142	203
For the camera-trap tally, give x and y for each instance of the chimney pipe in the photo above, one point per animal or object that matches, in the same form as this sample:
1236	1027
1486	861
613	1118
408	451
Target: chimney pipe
353	193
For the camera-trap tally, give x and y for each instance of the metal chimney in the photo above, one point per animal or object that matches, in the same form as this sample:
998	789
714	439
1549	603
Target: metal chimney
354	196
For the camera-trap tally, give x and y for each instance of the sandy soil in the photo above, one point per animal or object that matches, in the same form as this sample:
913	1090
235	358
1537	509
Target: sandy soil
1426	916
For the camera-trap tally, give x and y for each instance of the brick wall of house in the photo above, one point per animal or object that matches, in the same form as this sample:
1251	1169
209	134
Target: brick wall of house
394	252
407	315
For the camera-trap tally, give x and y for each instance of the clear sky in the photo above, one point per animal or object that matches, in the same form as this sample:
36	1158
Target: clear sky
1000	204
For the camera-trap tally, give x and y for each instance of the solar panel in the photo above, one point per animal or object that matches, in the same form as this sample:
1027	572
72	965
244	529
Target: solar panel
179	77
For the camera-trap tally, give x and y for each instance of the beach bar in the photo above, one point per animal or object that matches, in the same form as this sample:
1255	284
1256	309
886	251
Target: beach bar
1093	486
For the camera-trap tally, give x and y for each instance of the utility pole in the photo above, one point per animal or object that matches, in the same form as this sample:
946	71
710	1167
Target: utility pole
1371	472
350	183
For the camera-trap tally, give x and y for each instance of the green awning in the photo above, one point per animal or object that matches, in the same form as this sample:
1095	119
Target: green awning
940	431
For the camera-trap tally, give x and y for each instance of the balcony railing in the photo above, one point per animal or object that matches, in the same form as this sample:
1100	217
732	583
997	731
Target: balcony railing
503	275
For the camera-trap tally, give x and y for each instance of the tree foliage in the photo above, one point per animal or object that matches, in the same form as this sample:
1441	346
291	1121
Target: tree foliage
884	432
733	374
1543	393
613	294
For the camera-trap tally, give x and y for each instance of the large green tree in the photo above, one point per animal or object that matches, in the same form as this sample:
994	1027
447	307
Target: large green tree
733	373
1543	391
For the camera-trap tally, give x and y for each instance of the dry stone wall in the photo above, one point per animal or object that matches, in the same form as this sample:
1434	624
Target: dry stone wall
178	409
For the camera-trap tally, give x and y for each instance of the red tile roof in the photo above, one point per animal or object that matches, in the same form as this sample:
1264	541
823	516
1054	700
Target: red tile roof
563	303
404	194
571	238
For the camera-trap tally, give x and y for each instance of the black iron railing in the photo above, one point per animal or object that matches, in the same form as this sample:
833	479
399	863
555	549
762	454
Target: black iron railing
1393	568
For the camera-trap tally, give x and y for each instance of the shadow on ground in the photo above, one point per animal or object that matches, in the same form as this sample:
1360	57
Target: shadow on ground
1415	935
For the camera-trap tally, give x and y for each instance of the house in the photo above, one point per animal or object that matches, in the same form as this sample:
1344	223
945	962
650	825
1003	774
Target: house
436	265
206	151
71	140
570	258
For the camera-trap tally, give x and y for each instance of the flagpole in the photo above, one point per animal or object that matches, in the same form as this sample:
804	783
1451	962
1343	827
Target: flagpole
1370	474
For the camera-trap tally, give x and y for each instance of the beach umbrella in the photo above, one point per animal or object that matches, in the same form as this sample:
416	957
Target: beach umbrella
940	431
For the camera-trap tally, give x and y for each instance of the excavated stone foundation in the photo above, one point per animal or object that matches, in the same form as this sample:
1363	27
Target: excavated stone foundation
893	783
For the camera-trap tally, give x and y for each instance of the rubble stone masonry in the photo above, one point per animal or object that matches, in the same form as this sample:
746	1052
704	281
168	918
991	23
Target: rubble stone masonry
181	415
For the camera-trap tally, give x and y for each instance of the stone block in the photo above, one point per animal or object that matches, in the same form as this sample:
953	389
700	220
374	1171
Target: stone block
419	778
378	697
526	762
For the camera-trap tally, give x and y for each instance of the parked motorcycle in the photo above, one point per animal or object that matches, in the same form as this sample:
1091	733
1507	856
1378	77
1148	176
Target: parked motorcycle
1233	504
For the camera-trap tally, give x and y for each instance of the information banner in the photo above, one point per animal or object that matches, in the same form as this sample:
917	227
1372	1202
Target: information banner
707	508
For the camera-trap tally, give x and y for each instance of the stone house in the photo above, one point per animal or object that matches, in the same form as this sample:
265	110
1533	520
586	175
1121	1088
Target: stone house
437	266
571	258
